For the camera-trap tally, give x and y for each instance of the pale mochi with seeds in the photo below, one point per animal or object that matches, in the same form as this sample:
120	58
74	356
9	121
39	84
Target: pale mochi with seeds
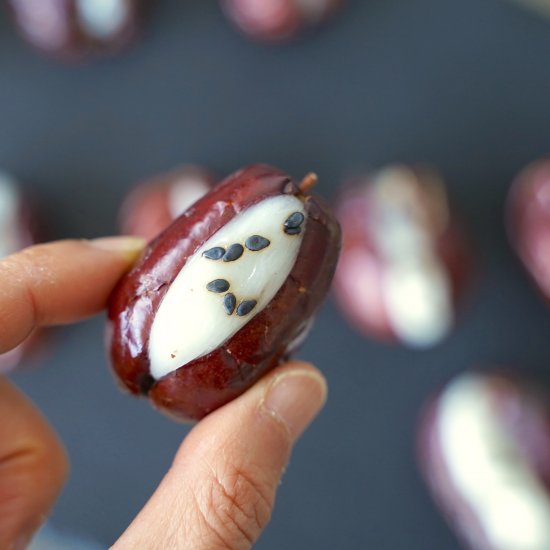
488	469
102	18
191	321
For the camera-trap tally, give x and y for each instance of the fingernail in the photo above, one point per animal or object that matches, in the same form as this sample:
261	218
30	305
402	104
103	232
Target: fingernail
295	398
129	247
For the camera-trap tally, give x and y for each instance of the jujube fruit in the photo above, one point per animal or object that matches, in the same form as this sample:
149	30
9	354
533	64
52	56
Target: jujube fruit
405	261
484	450
224	293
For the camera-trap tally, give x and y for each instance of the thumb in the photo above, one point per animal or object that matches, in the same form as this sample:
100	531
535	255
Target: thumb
219	492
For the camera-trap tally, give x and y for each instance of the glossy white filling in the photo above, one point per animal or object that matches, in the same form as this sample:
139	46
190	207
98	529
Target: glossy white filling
191	321
418	301
102	18
184	193
10	209
415	285
488	470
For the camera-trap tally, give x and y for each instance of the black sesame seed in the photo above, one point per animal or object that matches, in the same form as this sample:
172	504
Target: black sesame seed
293	230
246	307
234	252
294	220
256	243
229	303
215	253
218	286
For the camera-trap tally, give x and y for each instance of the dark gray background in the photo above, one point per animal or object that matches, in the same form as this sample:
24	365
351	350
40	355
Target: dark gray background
464	85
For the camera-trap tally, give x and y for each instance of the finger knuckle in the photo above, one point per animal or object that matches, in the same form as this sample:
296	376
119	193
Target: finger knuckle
236	506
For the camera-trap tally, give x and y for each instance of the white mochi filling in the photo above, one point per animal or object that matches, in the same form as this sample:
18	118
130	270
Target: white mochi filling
415	285
185	192
489	471
191	320
102	18
10	208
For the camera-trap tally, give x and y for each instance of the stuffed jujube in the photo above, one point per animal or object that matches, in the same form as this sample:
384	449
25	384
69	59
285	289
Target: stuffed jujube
406	262
484	445
224	293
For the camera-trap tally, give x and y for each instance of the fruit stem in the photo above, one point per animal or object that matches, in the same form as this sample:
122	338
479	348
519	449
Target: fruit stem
308	182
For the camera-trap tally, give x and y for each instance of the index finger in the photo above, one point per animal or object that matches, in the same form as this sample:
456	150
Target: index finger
59	283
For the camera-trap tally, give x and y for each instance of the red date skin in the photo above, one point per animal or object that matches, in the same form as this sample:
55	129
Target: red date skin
53	27
523	407
452	248
146	210
208	382
276	20
529	222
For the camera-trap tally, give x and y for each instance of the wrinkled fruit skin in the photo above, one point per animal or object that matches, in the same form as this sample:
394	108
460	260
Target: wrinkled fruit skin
278	20
17	231
211	380
484	451
529	221
401	242
154	204
72	29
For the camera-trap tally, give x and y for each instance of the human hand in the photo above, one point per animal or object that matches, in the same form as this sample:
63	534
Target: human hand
220	490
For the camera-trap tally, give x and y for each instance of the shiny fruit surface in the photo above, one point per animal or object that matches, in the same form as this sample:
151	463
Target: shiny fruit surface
225	293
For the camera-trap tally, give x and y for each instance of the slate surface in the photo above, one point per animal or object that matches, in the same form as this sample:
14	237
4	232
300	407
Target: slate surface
461	85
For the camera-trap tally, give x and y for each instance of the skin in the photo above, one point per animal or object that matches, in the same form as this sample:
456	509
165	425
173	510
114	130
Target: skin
220	490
